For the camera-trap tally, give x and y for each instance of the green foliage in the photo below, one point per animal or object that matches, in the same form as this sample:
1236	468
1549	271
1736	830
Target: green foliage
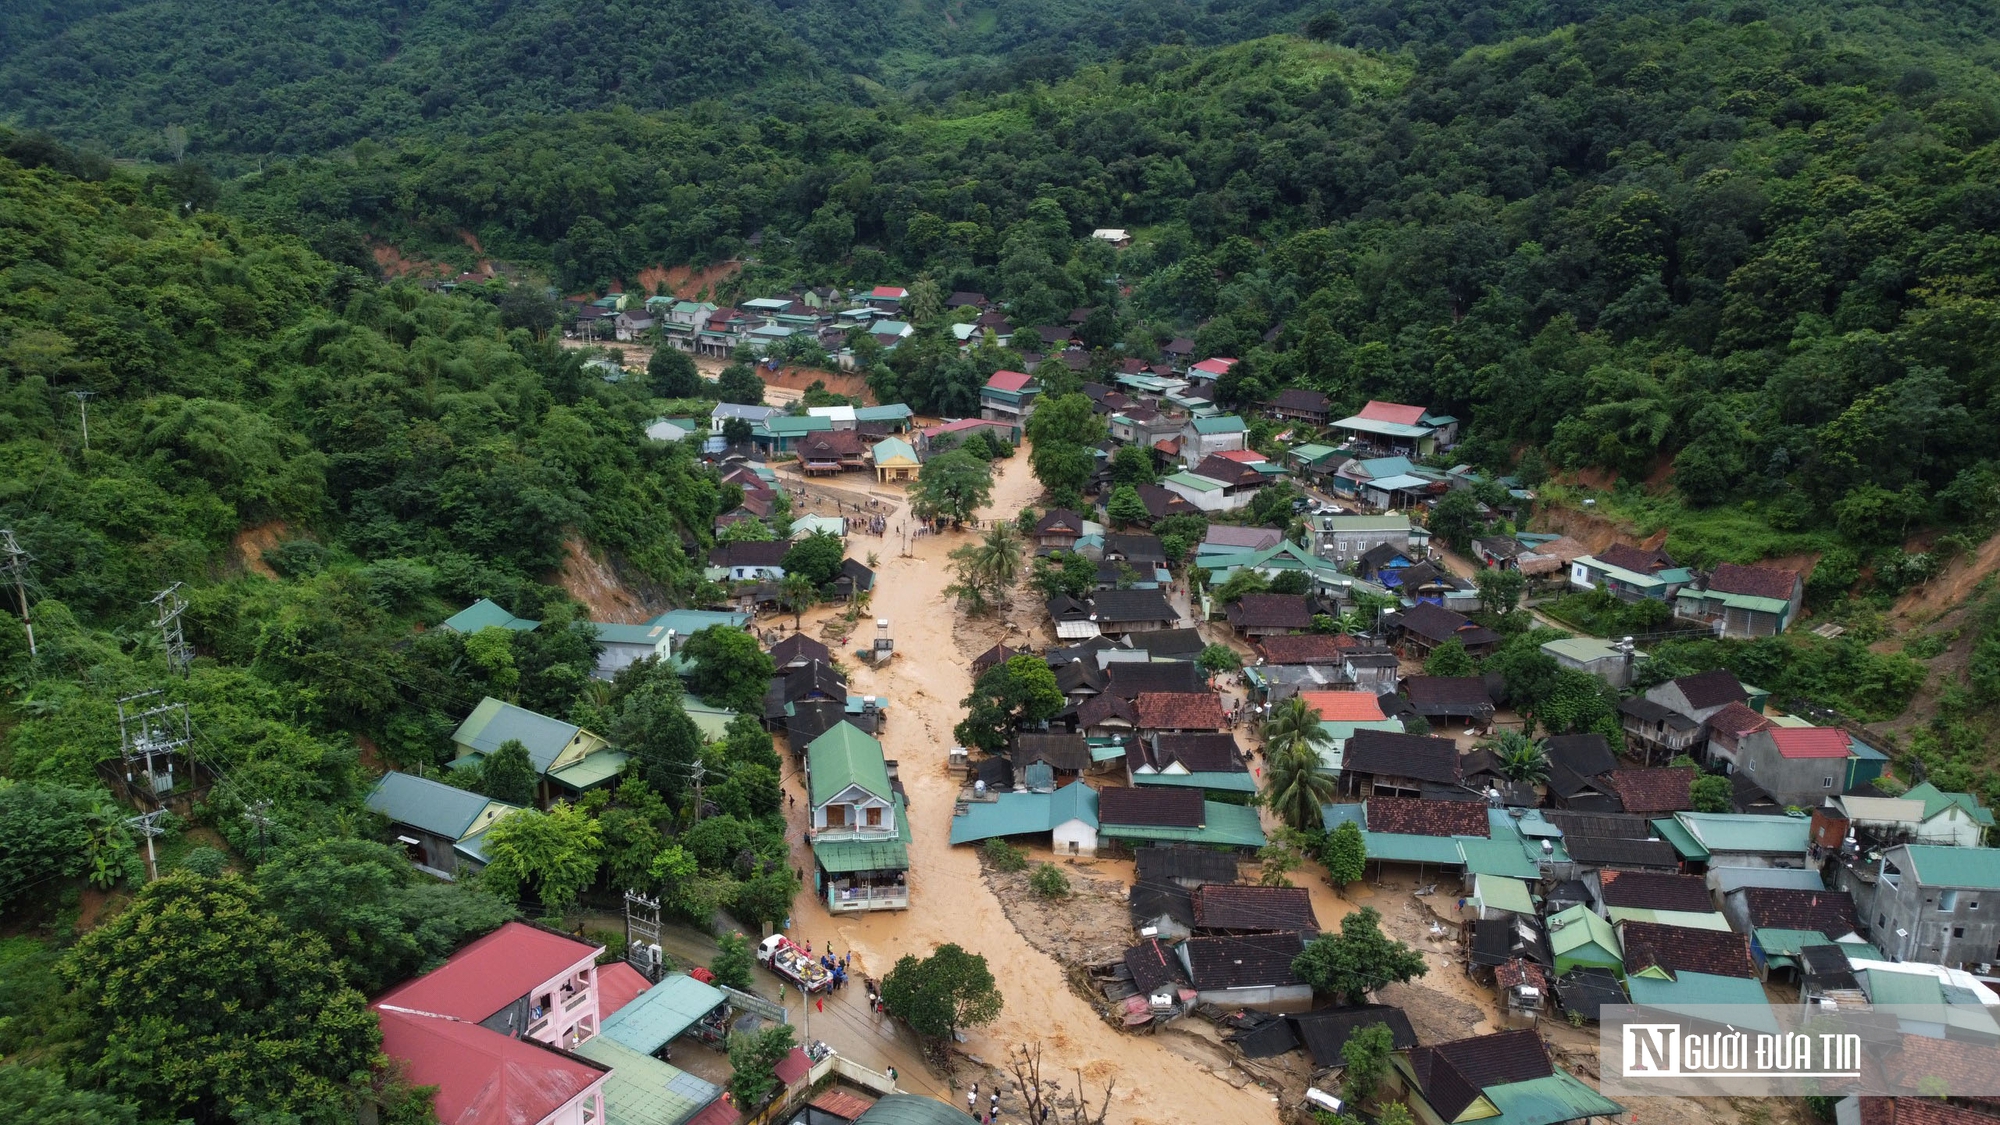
1125	508
818	557
952	486
1294	787
294	1036
1366	1055
1601	613
1345	854
1218	658
1005	856
1132	465
753	1059
1712	794
733	962
381	923
988	569
1063	572
730	669
546	857
1291	582
50	832
740	384
40	1097
1021	691
1357	960
670	373
1500	590
940	995
508	774
1449	659
1049	881
1455	519
1244	581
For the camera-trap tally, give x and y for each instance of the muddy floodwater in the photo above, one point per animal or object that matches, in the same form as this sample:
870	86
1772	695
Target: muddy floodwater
948	900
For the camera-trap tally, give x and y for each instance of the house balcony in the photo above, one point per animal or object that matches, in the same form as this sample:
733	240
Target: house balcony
842	899
844	833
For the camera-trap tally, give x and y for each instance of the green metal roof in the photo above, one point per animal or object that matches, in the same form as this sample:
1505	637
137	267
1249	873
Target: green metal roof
841	857
1391	429
1744	999
784	425
1362	523
1545	1101
430	805
660	1014
1747	832
1685	919
1683	841
1401	847
1497	857
845	755
710	720
1225	825
1737	601
1220	424
610	634
1018	814
1189	480
687	622
1584	649
594	770
486	614
1310	451
1776	942
1498	892
1629	577
642	1090
1577	928
889	413
494	722
1937	800
1888	987
910	1109
1236	781
893	449
1940	866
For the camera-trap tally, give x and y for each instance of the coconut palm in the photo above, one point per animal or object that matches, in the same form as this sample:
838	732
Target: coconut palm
1520	758
798	594
999	557
1294	787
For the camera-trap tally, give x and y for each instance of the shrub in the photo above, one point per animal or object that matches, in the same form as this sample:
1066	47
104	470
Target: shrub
1049	881
1005	856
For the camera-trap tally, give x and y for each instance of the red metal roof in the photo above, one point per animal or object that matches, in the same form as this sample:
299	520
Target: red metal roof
481	1075
491	973
1241	456
1392	412
1219	365
618	984
1344	706
1811	742
1008	380
888	291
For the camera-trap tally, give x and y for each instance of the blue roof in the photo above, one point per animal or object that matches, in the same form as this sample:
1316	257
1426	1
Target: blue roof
433	806
661	1013
686	622
1019	814
494	722
485	614
1733	1000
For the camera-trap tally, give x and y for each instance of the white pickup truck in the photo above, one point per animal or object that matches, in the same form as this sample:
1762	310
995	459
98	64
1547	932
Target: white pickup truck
794	964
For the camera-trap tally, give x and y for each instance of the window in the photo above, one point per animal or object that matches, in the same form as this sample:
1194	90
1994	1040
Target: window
1958	931
1826	783
1881	921
875	817
1973	905
836	816
1948	901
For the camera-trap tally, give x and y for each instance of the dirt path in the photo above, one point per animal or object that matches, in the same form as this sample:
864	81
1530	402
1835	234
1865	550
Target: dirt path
951	903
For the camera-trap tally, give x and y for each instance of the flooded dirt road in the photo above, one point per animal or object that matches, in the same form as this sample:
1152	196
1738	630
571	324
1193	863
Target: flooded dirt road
950	902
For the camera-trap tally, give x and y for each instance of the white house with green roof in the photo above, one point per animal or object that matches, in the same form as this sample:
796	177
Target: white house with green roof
859	841
1205	494
438	826
1203	436
1949	818
568	758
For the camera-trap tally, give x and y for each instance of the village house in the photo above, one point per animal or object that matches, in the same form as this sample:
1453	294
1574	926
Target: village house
1203	436
1068	816
1398	429
752	561
1226	908
1450	700
895	460
1058	530
1742	601
1208	761
859	845
1009	396
1425	626
1781	921
682	321
1151	816
1247	972
1614	662
782	433
834	451
1121	612
1267	615
1701	695
567	759
1206	494
1630	573
1299	405
1652	792
1801	765
1380	763
485	614
1143	426
439	827
1655	733
1504	1078
797	651
1737	840
1162	712
1348	537
1931	903
1118	237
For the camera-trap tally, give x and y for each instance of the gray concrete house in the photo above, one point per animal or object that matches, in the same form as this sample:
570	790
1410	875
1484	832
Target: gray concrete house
1936	904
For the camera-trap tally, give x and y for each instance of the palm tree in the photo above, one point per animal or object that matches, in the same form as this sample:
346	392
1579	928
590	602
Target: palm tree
1294	787
798	594
996	561
1520	757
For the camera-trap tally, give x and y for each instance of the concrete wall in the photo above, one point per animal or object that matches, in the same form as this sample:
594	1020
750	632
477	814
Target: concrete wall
1275	998
1959	927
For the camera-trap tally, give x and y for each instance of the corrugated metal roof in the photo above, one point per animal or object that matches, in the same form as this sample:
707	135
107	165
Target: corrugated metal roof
1940	866
1788	942
1704	993
1497	857
1225	824
1497	892
1683	841
1401	847
663	1012
494	722
483	614
842	757
430	805
1233	782
1576	927
1685	919
642	1090
491	973
910	1109
1546	1101
1746	832
482	1076
595	769
1018	814
1221	424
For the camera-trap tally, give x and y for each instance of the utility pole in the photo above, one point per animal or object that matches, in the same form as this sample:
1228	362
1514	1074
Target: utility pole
17	561
259	814
84	410
699	773
150	734
180	654
148	825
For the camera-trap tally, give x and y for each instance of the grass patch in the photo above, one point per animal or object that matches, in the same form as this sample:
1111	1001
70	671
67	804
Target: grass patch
1698	537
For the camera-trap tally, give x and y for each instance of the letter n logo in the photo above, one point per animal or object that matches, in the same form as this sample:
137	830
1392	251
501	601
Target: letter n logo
1652	1049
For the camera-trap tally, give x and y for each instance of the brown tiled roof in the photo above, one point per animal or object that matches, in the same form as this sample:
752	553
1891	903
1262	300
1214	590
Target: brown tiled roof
1160	710
829	445
1627	557
767	553
1712	689
1270	611
1667	789
1678	949
1432	622
1161	503
1151	808
1297	399
1244	962
1154	865
844	1104
1132	679
1059	519
1153	965
1754	581
1451	1075
1963	1065
1305	648
1098	708
1648	890
1389	754
998	654
1737	719
1061	751
1586	755
1235	906
1413	817
1448	695
1228	471
1518	972
1200	753
1781	908
1325	1031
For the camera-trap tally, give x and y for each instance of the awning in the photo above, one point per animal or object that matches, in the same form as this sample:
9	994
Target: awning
845	857
593	771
